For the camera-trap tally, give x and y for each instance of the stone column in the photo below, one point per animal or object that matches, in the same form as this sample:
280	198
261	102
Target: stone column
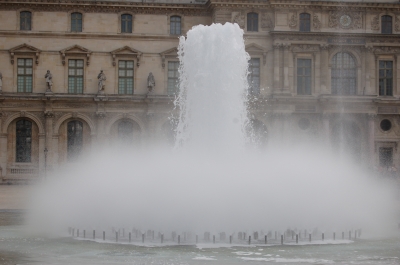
277	74
317	73
100	129
49	116
371	138
324	68
3	149
286	55
326	129
369	71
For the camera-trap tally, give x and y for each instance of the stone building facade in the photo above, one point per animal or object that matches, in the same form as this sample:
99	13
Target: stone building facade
320	69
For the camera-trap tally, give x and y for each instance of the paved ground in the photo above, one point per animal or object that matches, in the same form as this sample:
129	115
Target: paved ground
13	203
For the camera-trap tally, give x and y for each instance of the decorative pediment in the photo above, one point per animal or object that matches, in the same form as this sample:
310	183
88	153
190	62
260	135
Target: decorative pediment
25	49
305	48
256	49
126	51
76	50
170	53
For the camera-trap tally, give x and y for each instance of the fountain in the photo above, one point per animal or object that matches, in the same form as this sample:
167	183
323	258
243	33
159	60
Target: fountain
211	184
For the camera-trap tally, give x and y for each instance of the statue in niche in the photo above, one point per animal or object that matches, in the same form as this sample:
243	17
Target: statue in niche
49	81
102	81
151	83
1	82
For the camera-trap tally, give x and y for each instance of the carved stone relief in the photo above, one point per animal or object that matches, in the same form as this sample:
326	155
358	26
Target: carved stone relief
239	19
305	48
266	22
375	23
345	20
397	23
293	21
316	23
386	49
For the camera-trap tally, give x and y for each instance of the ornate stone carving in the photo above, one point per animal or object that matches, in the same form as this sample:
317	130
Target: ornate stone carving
266	22
151	83
48	114
126	51
375	23
100	114
324	46
239	19
397	24
387	50
293	21
345	20
75	50
49	81
316	23
25	49
101	77
305	48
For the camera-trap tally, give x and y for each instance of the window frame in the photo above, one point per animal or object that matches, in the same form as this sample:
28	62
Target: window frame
251	90
386	26
356	77
24	75
121	24
68	76
311	75
303	25
16	141
176	92
384	78
72	22
70	156
133	77
254	25
170	24
20	20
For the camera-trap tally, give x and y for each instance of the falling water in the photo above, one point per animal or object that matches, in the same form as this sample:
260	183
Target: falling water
213	88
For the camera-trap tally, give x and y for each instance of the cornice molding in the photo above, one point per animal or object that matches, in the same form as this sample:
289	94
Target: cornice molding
106	7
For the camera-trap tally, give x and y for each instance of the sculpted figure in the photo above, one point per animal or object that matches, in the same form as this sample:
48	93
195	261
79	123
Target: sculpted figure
1	82
49	81
151	83
102	80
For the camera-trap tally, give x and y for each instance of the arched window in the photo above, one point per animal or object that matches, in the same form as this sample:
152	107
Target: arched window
74	139
252	21
126	23
23	141
25	22
125	132
386	24
343	74
76	22
175	25
305	24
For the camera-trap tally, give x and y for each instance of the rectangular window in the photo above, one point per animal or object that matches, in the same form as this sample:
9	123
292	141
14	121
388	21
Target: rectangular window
25	75
75	76
125	77
385	156
76	22
173	78
304	76
254	76
175	25
126	23
385	78
25	20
